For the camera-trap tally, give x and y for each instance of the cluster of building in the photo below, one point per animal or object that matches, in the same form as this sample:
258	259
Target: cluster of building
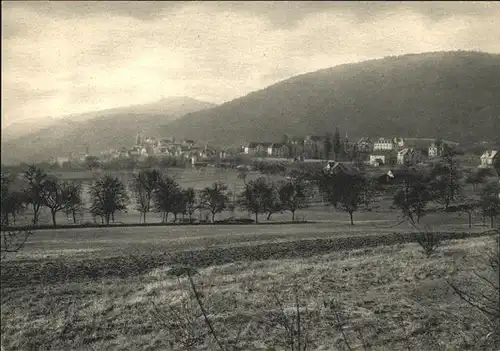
162	147
378	152
145	147
310	147
381	151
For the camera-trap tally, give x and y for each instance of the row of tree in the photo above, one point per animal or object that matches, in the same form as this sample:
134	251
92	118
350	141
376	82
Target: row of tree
411	191
38	190
151	191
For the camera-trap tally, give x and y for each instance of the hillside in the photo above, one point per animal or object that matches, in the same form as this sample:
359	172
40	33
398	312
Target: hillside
98	130
451	94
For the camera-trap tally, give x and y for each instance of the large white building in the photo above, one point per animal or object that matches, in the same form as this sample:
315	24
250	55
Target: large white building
383	144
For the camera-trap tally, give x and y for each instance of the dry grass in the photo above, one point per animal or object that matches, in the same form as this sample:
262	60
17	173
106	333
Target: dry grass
394	295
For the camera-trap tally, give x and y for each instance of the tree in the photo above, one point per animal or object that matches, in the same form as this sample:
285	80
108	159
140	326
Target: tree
328	146
268	191
337	145
243	173
469	207
477	177
481	292
92	163
344	191
12	201
252	199
446	180
214	198
55	196
179	204
412	199
293	195
490	201
190	201
108	195
13	241
35	178
165	196
354	153
73	200
144	184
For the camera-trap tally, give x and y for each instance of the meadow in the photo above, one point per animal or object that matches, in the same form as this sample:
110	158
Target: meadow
109	288
363	287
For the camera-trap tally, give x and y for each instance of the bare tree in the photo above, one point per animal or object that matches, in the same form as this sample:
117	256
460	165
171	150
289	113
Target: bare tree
55	196
188	271
446	179
165	196
243	174
469	207
412	195
191	205
108	195
214	198
482	292
257	197
344	191
35	178
12	201
13	240
144	184
477	177
73	200
490	201
293	195
180	204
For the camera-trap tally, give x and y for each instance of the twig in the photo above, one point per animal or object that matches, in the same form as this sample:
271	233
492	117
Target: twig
286	324
339	325
297	307
205	316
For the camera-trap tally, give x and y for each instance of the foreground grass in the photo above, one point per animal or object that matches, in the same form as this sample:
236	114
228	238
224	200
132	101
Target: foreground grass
391	297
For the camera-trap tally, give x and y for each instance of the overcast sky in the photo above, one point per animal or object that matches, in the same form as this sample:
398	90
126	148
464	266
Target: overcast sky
60	58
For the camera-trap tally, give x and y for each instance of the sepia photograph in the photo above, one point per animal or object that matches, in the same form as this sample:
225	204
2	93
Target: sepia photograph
250	175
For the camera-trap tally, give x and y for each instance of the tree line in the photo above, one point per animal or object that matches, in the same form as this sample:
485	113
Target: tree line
152	191
412	191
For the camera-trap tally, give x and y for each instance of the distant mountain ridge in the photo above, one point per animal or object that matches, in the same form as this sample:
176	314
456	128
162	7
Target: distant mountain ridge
99	130
453	95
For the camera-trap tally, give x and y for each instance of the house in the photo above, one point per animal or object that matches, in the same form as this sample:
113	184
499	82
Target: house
437	149
427	146
383	144
377	160
161	151
278	150
257	149
364	145
314	147
62	160
409	156
490	159
337	168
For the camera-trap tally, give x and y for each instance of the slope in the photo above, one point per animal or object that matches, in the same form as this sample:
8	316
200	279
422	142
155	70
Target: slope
98	130
451	94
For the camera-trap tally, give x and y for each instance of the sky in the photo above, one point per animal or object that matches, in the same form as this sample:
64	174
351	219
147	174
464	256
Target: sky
61	58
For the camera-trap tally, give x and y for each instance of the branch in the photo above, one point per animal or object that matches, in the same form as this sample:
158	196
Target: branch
468	298
207	320
12	241
286	323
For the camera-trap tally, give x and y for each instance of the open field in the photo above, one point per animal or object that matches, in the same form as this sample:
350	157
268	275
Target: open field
106	289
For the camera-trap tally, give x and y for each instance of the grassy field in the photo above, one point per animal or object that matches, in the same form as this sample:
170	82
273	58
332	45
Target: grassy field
109	289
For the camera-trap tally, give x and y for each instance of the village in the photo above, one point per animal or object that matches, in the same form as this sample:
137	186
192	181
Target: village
378	152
